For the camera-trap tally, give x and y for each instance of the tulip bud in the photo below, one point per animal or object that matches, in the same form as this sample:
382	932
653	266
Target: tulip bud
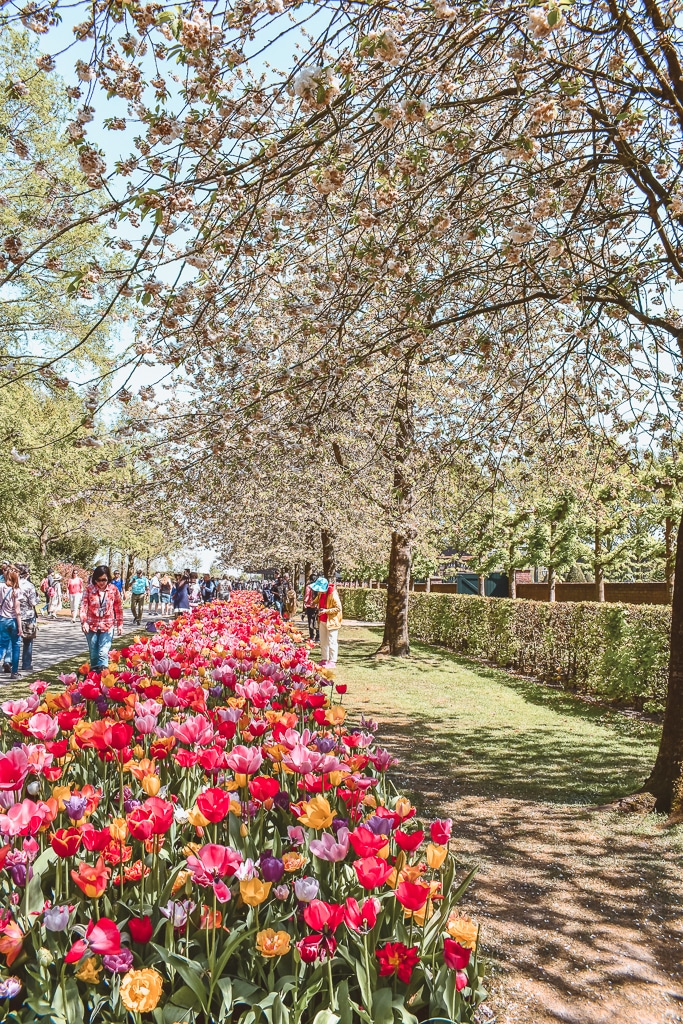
196	818
436	855
45	957
33	788
138	752
244	831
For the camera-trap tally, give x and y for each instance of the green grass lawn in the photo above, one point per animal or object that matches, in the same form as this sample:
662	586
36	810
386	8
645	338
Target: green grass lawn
473	729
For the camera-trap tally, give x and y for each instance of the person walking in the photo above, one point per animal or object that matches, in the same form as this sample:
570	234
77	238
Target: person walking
165	587
224	589
45	588
311	609
208	589
154	593
330	618
119	584
290	601
55	604
10	620
101	611
180	596
139	587
75	588
28	601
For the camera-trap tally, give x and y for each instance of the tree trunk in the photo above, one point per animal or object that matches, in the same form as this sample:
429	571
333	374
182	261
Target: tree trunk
396	641
481	584
512	584
599	575
428	585
670	562
329	559
666	780
147	561
551	583
129	568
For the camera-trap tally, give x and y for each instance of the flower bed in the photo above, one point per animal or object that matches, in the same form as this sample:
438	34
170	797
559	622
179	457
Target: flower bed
196	834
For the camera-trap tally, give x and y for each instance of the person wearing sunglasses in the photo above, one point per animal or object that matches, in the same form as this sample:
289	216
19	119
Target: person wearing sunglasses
101	612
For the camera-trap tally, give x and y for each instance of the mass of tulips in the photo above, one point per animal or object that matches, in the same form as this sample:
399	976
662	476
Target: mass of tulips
197	834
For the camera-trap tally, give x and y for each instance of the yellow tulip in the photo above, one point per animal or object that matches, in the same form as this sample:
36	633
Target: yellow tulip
89	972
118	830
196	818
335	715
317	813
403	806
436	855
141	990
61	793
151	784
253	891
463	929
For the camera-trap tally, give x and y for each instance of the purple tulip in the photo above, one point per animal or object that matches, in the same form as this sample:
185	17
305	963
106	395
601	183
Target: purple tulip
296	835
380	826
178	912
330	849
272	868
118	963
20	874
325	744
282	800
56	919
9	988
75	807
306	889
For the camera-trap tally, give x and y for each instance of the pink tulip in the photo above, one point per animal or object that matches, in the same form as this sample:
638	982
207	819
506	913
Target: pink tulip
244	760
194	730
43	726
13	768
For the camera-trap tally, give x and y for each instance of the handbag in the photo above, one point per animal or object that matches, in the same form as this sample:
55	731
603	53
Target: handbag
29	629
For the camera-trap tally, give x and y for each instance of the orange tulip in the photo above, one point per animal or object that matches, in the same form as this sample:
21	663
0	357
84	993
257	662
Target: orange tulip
92	881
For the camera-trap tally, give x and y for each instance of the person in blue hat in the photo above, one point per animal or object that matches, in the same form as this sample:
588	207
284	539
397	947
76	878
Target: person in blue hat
330	619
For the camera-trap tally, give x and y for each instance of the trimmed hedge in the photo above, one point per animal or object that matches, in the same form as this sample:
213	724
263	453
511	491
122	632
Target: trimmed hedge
615	651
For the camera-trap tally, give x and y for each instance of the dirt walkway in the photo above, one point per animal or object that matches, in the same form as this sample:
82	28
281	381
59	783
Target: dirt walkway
581	910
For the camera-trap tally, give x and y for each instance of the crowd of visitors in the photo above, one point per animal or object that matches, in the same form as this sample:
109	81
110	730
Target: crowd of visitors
98	606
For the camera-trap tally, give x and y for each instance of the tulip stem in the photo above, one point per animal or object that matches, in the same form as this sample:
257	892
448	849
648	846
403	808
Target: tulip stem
330	984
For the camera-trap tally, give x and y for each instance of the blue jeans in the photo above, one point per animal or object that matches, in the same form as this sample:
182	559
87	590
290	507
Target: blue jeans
10	642
26	653
99	645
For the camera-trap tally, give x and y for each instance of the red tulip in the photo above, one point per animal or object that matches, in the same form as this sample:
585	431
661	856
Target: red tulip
316	947
141	929
214	804
455	956
66	841
101	936
320	915
397	958
408	841
95	839
263	787
361	918
13	769
154	818
372	871
118	736
365	842
441	831
412	895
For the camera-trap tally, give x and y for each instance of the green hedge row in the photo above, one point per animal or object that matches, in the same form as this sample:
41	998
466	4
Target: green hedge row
615	651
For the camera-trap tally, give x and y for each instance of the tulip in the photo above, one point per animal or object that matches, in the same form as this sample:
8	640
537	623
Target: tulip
42	726
56	919
412	895
244	760
92	881
316	947
372	871
320	915
397	958
456	957
408	841
13	769
101	936
214	804
440	831
317	813
118	963
264	787
330	848
253	891
11	941
65	841
272	868
361	918
436	855
366	843
306	889
270	943
141	929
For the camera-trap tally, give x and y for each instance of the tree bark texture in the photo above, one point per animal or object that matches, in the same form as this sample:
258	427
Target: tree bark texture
552	577
599	575
670	562
396	639
329	559
666	780
481	584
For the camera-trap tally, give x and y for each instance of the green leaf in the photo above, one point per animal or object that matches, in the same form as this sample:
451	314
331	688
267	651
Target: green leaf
344	1003
382	1009
187	970
326	1017
67	1004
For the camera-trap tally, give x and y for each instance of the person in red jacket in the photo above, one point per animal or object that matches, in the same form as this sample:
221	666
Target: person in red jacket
101	612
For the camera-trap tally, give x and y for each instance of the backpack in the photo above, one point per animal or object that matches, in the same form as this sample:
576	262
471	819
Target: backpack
44	586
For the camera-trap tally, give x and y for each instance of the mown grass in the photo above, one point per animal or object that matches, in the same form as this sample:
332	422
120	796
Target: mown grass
477	730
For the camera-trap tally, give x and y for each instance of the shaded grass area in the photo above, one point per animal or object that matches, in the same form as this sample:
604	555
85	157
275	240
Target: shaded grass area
480	730
581	909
